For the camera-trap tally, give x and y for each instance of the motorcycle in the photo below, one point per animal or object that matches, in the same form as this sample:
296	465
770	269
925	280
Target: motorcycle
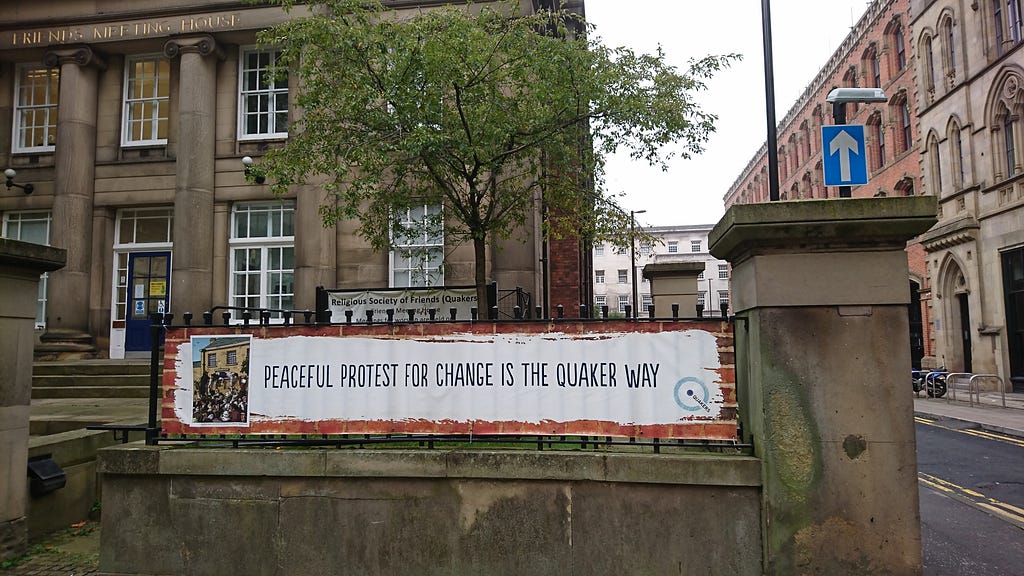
933	382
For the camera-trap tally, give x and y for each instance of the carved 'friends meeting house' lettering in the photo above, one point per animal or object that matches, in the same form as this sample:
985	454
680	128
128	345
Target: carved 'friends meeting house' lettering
122	30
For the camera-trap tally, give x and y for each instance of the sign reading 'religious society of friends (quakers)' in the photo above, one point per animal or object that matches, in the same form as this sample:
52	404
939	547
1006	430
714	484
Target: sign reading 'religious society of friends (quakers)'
455	384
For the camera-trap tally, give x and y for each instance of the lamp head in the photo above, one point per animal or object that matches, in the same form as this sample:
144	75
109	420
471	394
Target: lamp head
10	173
844	95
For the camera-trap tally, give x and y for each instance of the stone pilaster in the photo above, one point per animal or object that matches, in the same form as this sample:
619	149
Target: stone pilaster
67	321
315	248
21	264
822	362
192	264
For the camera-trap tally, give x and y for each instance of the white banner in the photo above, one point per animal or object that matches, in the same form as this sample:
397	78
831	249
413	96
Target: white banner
625	379
400	300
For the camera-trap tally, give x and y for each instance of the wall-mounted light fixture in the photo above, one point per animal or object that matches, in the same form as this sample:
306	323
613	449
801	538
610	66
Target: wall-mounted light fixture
250	172
10	173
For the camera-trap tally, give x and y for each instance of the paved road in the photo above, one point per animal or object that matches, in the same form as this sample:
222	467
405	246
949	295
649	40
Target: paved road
971	489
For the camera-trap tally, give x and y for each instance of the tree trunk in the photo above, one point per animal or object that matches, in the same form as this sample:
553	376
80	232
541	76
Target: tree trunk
480	275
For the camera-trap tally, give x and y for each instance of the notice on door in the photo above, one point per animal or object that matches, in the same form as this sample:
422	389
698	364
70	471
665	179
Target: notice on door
157	287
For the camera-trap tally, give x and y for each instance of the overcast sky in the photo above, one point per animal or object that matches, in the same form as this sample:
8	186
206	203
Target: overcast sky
805	33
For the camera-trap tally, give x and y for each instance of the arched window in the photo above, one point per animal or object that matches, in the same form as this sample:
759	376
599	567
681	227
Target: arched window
956	155
783	163
794	192
808	188
901	48
794	152
805	139
905	187
872	69
948	50
934	165
876	131
816	125
819	181
901	113
764	184
1006	100
928	69
1006	24
1009	148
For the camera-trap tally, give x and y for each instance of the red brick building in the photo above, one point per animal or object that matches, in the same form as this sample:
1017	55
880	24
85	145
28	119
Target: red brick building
877	53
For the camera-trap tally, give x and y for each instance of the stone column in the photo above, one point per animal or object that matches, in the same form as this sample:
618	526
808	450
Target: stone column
192	262
823	359
67	319
21	264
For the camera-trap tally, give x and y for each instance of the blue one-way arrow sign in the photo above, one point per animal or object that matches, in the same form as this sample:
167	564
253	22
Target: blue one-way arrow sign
844	155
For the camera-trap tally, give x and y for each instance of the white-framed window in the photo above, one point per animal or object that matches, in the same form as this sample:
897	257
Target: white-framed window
700	297
622	250
599	250
31	227
35	109
137	229
645	248
417	247
600	300
147	89
623	276
598	276
701	275
263	255
623	302
673	246
723	297
723	271
694	245
646	301
262	100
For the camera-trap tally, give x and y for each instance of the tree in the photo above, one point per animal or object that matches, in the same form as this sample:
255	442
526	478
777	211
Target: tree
477	108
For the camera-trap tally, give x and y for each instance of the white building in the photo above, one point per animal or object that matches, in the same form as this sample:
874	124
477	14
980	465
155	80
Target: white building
613	278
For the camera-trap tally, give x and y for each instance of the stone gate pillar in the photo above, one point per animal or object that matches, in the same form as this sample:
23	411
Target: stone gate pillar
21	264
820	294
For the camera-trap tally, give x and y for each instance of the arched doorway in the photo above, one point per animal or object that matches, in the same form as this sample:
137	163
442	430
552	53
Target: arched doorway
956	312
916	326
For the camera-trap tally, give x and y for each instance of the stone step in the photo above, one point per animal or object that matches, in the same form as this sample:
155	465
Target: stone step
93	367
55	380
45	392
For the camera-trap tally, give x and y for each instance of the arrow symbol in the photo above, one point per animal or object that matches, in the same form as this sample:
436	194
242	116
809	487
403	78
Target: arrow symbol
845	145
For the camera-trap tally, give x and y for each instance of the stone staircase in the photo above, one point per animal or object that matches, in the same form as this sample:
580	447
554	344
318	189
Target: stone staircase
90	379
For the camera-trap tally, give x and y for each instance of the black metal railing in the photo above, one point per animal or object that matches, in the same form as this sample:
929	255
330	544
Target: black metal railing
243	316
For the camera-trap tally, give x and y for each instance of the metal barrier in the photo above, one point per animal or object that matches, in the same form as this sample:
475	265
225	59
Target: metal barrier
950	388
972	389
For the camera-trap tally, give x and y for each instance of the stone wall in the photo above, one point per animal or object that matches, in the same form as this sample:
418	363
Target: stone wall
397	512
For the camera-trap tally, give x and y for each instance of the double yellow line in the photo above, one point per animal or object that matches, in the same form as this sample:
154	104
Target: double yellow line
979	433
1007	512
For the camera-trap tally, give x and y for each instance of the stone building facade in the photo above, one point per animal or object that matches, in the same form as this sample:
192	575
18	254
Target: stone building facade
613	280
878	53
970	98
131	122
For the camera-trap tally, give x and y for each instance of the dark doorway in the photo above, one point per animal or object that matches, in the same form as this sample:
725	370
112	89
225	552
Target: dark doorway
1013	291
965	330
149	275
916	326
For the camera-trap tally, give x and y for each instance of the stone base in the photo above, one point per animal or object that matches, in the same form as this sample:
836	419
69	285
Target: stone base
13	538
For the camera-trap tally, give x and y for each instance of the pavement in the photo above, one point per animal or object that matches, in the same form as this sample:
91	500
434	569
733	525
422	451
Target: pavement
986	411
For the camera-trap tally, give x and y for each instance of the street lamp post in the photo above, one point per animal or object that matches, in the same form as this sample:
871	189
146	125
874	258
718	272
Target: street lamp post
632	255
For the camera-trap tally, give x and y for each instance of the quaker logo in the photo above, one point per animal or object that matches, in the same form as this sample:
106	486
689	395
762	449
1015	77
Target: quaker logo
692	395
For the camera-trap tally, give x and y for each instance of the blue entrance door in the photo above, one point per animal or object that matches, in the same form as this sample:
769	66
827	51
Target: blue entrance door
149	275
